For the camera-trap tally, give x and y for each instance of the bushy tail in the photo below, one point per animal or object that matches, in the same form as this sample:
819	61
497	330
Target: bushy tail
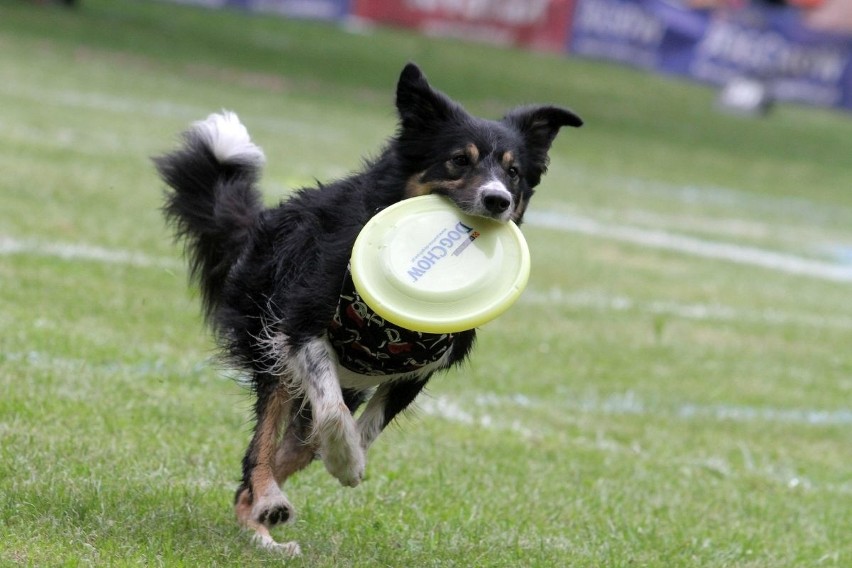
213	203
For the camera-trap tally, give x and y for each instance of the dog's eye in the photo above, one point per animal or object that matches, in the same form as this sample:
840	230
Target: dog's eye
513	172
461	160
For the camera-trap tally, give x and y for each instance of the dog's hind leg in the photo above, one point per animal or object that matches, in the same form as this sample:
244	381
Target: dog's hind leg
334	429
259	502
296	450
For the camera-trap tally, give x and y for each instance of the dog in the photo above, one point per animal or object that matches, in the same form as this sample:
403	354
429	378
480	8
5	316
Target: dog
276	290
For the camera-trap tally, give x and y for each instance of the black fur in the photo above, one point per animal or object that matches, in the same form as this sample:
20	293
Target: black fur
279	271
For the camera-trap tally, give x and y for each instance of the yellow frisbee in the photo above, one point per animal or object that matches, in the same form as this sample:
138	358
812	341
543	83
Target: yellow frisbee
424	265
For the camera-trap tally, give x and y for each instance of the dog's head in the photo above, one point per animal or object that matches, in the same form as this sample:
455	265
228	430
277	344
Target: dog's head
488	168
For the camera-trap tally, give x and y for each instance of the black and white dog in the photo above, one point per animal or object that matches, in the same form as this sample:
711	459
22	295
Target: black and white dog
277	292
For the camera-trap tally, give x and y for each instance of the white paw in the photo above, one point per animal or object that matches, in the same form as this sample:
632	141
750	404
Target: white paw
229	140
342	453
266	542
347	467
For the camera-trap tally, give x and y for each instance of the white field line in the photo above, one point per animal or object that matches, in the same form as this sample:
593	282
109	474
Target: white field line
554	297
593	300
445	408
473	412
470	411
558	221
658	239
102	102
84	252
797	208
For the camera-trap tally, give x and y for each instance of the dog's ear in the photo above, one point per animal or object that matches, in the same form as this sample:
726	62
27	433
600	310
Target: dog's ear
539	126
418	104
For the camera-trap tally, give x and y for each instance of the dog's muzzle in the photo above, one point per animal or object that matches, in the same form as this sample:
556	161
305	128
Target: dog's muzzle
495	201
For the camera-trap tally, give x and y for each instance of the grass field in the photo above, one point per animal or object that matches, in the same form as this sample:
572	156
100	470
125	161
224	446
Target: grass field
673	389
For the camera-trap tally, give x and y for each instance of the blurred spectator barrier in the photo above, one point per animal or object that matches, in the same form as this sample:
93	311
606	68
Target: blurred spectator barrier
799	51
535	24
769	44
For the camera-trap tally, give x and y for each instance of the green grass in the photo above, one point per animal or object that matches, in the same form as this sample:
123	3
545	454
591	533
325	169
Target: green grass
638	407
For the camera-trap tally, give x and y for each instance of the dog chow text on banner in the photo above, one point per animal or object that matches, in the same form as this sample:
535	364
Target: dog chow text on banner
770	44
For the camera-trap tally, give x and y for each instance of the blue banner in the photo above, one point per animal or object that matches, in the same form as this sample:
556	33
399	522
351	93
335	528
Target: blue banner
766	43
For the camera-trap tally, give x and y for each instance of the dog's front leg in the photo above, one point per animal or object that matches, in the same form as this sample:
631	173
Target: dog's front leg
334	429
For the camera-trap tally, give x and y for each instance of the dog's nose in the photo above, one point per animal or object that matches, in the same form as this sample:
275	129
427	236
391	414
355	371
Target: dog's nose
496	201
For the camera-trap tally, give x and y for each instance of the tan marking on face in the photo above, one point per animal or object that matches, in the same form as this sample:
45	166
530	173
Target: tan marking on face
415	188
472	152
449	185
519	209
507	160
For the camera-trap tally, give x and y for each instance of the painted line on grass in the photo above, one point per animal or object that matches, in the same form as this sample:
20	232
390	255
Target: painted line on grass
442	407
798	207
85	252
630	403
104	102
733	413
468	411
716	250
590	299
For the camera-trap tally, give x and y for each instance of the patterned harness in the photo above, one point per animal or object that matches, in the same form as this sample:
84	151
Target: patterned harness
367	344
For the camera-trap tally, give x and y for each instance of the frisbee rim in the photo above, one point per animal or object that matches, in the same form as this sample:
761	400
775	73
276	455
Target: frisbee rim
427	313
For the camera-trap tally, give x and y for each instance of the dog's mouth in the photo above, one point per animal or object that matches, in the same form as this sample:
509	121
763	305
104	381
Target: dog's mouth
491	201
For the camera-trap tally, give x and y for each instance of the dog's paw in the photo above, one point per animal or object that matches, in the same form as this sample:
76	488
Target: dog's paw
343	455
275	514
347	466
272	508
266	542
268	509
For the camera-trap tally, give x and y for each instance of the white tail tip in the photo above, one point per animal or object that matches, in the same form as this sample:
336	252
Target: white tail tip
229	140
